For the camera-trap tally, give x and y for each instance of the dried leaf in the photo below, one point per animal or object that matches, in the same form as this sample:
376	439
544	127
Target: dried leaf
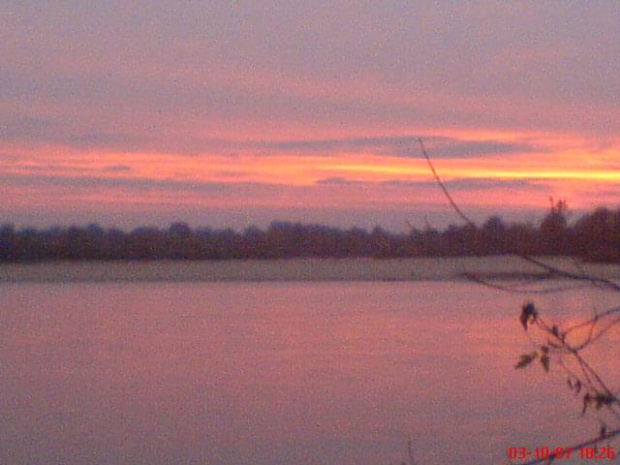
528	314
603	399
526	359
586	401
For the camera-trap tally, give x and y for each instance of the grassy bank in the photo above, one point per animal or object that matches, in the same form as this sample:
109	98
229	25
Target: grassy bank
355	269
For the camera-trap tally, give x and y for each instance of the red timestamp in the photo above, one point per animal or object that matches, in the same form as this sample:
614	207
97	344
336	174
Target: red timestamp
592	453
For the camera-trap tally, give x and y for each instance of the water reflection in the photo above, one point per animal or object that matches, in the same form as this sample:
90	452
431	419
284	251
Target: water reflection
276	373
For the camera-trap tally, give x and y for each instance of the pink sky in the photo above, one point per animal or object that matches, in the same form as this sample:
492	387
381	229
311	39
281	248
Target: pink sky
232	113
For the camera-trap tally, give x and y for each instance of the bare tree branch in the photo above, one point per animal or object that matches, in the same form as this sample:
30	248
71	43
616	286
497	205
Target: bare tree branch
584	379
552	269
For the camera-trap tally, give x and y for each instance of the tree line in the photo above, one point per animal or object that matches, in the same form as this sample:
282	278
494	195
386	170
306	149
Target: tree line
594	236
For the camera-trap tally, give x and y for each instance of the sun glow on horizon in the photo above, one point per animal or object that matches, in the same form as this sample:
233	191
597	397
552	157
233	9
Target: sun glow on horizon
352	173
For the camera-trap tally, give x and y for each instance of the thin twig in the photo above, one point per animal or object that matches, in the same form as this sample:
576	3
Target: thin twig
410	452
588	372
552	269
598	316
515	289
604	330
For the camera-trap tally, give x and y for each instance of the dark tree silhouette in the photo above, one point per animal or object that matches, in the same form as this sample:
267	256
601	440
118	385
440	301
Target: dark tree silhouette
594	237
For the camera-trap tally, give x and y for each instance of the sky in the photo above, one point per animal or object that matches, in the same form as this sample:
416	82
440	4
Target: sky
232	113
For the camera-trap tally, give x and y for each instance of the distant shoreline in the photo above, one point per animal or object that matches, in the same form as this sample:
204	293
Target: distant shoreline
282	270
593	237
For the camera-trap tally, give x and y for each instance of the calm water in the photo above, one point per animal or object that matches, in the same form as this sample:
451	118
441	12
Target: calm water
273	373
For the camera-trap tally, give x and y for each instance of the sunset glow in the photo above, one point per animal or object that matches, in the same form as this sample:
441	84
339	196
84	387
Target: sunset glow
232	114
